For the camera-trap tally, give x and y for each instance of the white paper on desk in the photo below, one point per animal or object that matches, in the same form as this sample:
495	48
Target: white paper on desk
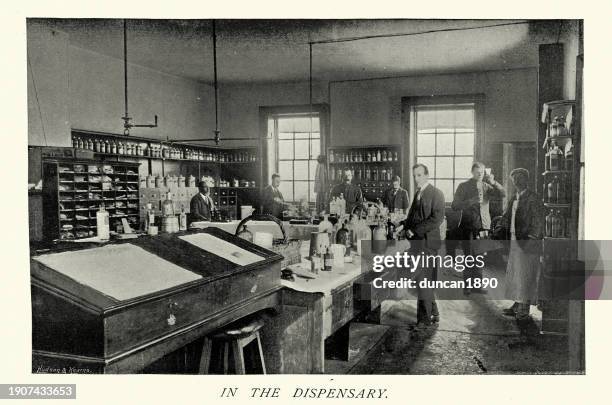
222	248
119	271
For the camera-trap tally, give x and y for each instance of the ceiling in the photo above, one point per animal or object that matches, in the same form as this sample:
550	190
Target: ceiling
278	50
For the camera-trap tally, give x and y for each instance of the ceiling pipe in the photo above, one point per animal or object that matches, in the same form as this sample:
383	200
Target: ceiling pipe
127	120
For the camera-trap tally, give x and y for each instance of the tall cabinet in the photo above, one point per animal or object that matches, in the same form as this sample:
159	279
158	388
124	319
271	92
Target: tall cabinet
560	191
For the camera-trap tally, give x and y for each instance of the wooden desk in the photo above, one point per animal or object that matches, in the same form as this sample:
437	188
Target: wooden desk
84	324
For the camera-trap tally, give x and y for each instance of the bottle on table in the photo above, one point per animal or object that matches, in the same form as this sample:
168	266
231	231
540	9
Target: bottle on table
183	220
102	223
328	260
150	217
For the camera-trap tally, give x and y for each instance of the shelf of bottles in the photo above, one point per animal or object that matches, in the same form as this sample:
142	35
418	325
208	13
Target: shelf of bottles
373	167
559	177
130	146
76	191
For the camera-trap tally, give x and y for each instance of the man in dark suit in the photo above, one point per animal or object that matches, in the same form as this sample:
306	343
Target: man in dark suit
201	205
350	192
396	197
272	199
422	226
472	199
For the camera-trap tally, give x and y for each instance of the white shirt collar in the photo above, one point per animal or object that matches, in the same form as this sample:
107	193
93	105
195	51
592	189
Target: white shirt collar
424	186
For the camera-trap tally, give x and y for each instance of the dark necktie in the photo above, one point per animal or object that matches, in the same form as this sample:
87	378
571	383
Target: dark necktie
417	194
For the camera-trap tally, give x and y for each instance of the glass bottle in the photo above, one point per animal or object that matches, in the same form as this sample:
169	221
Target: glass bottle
168	206
378	156
328	260
390	229
552	190
549	223
569	159
562	227
384	155
561	190
150	217
555	157
102	223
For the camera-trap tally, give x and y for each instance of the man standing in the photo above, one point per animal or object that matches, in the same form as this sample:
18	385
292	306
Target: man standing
272	198
422	225
472	199
522	222
351	193
201	205
396	197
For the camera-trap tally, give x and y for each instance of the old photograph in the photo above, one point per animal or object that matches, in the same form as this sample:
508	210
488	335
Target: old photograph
306	196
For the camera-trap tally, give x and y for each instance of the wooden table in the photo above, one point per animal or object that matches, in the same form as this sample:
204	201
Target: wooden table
316	316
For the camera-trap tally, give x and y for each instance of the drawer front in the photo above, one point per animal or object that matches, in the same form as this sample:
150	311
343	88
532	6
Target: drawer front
157	318
342	306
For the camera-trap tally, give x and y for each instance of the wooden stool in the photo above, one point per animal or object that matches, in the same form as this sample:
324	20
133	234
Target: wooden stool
233	339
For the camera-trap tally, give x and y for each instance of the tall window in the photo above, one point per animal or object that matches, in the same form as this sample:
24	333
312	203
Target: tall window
445	143
298	143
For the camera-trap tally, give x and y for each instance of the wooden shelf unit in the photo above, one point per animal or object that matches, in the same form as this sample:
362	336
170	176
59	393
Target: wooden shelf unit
373	166
74	190
220	163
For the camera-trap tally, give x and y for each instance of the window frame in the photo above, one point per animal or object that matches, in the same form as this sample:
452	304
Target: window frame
267	113
410	106
311	157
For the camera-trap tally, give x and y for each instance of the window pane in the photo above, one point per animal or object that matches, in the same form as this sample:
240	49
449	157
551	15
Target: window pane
285	135
302	135
303	124
445	120
426	120
285	169
463	166
301	190
285	149
464	119
315	148
444	167
286	125
286	188
313	196
429	162
301	149
445	144
313	169
465	144
301	170
426	144
446	186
